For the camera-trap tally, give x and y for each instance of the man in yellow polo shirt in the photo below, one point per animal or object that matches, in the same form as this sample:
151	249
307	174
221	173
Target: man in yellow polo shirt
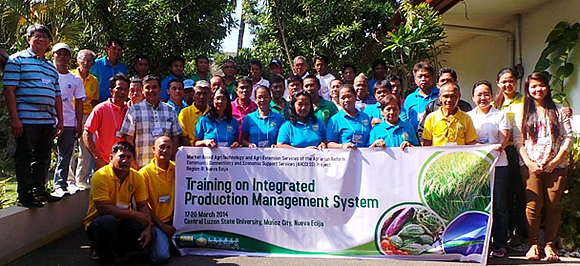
188	117
159	176
449	125
111	224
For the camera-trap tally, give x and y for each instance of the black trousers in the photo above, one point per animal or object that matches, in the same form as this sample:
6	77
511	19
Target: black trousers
32	157
110	236
516	201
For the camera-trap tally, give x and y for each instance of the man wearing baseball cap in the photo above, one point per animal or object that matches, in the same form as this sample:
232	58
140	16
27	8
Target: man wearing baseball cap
276	67
189	116
72	96
188	91
33	101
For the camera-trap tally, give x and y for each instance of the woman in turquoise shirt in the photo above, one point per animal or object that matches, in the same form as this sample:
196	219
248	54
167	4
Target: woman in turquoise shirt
218	128
392	132
302	130
260	128
349	128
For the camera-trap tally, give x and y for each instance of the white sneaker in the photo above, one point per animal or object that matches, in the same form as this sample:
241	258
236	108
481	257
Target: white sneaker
72	189
59	192
84	185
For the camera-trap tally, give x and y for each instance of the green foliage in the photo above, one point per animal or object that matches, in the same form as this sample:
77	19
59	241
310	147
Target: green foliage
341	30
554	59
419	38
157	29
570	229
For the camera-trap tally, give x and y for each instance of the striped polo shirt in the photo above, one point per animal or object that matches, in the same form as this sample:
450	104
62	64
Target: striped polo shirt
36	82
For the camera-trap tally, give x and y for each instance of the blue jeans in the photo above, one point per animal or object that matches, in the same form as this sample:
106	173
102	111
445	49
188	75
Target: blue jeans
110	236
500	214
159	247
65	148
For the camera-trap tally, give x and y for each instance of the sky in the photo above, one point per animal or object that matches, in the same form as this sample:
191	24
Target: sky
231	42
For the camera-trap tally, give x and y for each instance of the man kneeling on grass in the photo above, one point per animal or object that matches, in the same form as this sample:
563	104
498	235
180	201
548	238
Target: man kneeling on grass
111	223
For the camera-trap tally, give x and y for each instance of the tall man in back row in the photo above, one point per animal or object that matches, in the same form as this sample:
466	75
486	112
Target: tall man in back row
425	93
108	66
33	101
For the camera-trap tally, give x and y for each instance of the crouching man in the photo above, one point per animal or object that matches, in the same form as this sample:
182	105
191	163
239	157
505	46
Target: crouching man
111	224
159	176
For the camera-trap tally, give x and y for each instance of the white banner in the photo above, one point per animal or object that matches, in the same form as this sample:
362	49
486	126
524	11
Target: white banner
422	203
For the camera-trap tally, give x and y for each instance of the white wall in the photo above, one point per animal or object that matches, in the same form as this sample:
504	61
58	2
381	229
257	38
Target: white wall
481	57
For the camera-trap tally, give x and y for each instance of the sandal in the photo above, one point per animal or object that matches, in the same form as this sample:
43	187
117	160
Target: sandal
533	253
551	255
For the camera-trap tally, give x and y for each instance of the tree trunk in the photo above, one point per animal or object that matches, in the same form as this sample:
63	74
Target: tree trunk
241	30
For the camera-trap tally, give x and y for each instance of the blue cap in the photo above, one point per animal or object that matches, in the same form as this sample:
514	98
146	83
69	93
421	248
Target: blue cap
188	84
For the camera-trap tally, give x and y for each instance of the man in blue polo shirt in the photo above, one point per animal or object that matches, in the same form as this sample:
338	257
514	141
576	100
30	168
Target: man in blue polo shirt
34	104
108	66
175	72
425	93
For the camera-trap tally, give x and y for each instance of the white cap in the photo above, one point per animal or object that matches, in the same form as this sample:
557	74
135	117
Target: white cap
59	46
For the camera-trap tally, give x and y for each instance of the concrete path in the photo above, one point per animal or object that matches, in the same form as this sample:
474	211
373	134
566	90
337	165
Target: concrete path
73	249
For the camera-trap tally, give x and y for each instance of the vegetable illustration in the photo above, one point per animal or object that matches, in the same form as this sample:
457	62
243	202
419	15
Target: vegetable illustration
399	221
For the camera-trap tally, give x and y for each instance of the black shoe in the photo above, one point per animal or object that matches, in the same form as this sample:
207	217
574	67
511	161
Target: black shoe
45	197
28	201
95	255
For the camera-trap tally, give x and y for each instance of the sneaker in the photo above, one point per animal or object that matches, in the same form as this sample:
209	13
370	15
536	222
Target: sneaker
95	255
72	189
45	197
60	192
83	186
28	201
498	252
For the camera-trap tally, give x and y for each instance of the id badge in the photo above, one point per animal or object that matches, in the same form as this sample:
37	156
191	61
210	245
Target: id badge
262	143
544	141
451	144
157	132
164	199
122	205
223	144
357	138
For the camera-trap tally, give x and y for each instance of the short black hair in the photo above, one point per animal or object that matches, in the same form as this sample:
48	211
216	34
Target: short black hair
150	78
256	62
383	84
321	58
174	80
38	27
201	57
294	78
243	79
447	70
123	146
314	78
136	79
292	115
176	58
119	76
112	42
351	66
275	78
378	62
394	77
425	66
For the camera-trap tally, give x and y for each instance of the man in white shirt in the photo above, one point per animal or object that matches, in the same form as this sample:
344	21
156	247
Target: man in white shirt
72	88
256	75
321	66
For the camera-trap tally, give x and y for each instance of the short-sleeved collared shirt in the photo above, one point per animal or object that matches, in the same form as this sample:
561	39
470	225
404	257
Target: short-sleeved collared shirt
262	82
325	85
488	127
222	132
146	122
178	109
456	129
196	78
164	95
512	108
71	89
107	187
343	128
301	135
263	131
239	112
161	189
374	111
415	104
325	110
91	85
275	108
188	118
103	70
37	87
105	122
232	89
394	135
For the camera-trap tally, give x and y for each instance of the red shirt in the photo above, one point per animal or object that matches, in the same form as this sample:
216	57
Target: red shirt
105	121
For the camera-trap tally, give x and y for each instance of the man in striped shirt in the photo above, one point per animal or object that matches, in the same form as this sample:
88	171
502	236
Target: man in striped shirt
33	100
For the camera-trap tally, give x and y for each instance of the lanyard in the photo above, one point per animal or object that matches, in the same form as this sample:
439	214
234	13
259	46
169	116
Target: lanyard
351	127
217	130
267	129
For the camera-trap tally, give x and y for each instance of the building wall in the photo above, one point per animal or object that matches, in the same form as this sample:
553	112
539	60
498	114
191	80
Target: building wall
481	57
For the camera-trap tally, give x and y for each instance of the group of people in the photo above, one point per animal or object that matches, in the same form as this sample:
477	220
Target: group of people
130	129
